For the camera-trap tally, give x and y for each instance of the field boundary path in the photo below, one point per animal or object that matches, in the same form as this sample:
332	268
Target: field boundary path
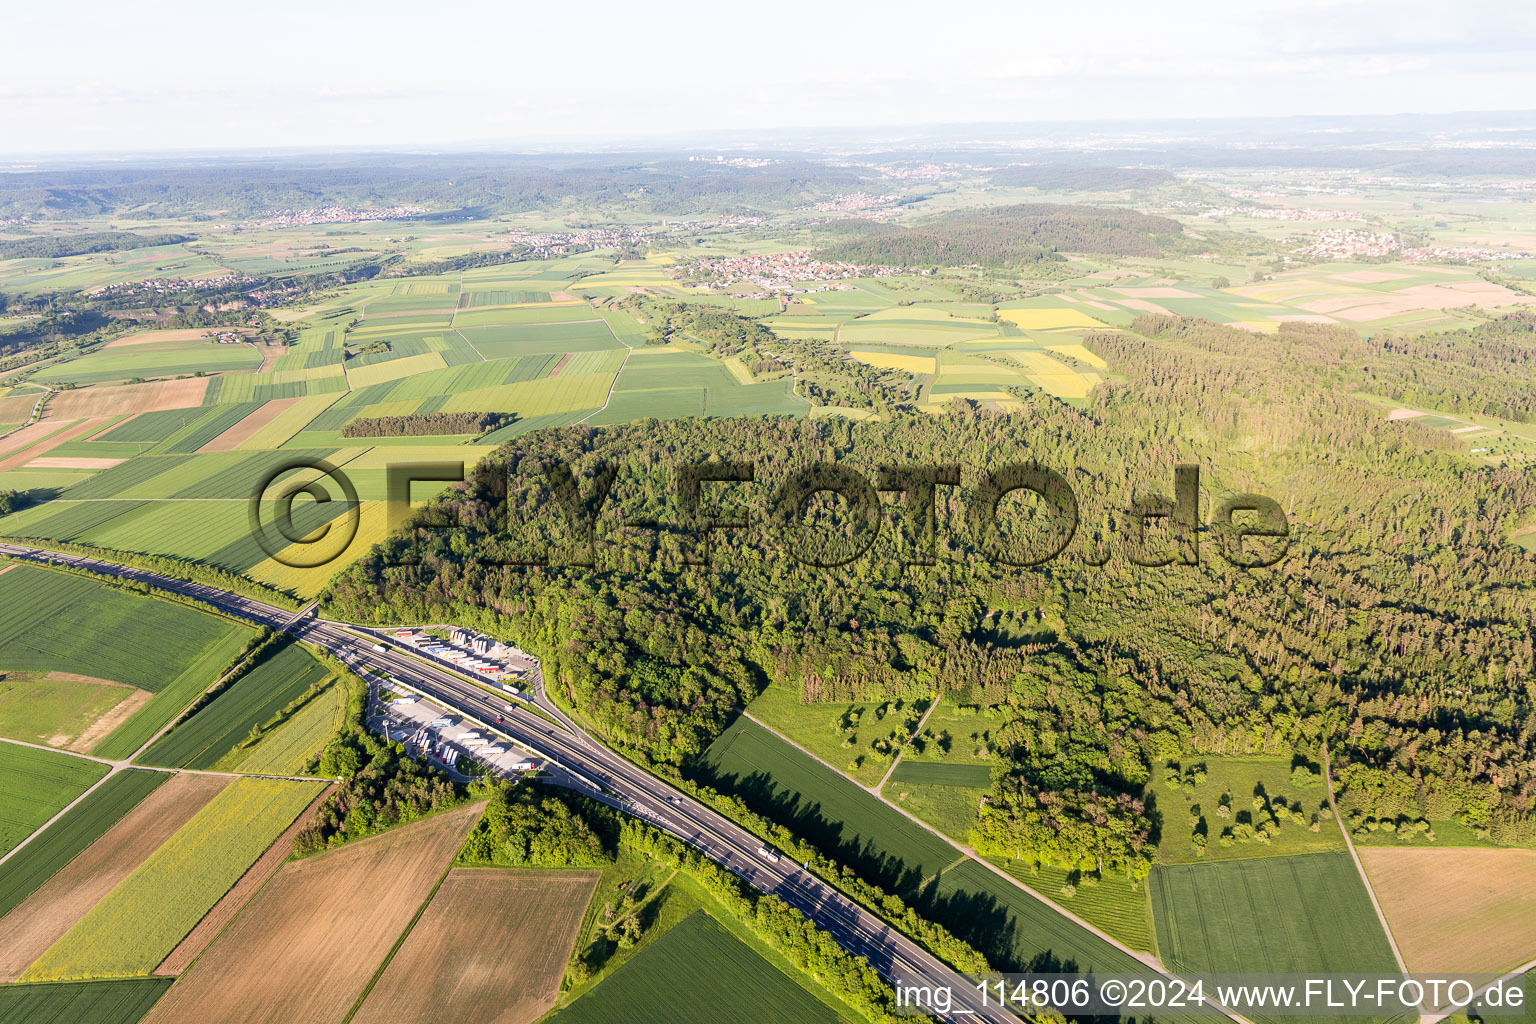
629	350
969	853
917	731
1360	866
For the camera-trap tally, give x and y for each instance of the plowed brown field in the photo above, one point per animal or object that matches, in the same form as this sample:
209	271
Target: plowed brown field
43	918
307	945
491	946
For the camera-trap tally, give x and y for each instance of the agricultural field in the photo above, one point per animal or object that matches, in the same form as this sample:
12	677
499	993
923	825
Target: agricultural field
1457	909
64	710
82	825
491	945
950	809
37	784
1251	806
1019	933
698	972
843	820
51	910
231	903
145	916
214	730
307	945
288	748
1296	914
81	1002
164	649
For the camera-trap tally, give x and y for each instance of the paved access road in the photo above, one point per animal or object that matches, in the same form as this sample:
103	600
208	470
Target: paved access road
590	767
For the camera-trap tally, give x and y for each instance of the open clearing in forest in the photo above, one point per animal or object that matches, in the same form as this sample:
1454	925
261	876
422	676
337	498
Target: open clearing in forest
59	904
1457	909
697	972
491	946
307	945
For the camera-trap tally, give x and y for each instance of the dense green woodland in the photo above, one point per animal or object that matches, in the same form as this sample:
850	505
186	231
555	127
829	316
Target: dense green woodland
1397	628
1007	236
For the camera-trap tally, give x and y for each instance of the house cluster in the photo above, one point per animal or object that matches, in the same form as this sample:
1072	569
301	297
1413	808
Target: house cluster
1348	243
172	285
785	272
734	161
561	243
335	215
1459	254
865	204
1289	213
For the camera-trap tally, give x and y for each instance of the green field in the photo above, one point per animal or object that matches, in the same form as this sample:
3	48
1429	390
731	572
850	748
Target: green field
40	859
253	699
838	817
697	972
60	622
138	923
1309	913
37	709
1208	785
154	360
37	784
950	809
1019	933
928	773
199	674
82	1002
287	749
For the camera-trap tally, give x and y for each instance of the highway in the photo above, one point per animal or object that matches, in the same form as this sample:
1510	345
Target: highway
599	772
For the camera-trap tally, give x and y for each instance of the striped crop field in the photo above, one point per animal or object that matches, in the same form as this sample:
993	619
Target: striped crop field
1297	914
129	932
784	784
85	822
201	740
37	784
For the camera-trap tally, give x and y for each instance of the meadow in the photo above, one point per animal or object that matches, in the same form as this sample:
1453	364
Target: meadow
841	734
205	737
61	710
138	923
831	812
37	784
697	971
1252	790
66	838
152	361
1299	914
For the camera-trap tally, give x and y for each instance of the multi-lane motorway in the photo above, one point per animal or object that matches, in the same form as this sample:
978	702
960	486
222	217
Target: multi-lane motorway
594	769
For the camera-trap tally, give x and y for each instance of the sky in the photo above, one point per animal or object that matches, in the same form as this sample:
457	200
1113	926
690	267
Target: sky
104	77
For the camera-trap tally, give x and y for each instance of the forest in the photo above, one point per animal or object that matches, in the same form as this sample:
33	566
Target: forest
1396	628
1006	236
